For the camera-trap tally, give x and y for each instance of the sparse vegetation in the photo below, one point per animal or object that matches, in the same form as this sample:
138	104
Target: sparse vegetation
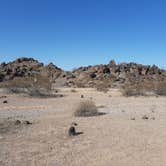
161	88
133	91
102	87
37	81
38	86
137	89
79	84
86	108
144	89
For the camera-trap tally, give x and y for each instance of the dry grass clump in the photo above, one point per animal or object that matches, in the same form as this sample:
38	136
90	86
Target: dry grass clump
86	108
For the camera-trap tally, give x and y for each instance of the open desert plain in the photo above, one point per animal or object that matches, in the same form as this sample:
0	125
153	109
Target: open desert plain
130	132
82	82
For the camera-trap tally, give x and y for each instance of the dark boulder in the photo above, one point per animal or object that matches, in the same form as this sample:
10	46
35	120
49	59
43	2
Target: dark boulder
92	75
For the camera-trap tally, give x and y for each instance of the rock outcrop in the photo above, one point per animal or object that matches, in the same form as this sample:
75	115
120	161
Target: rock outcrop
110	75
27	67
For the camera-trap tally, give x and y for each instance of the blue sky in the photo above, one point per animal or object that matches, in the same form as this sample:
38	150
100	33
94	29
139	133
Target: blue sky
72	33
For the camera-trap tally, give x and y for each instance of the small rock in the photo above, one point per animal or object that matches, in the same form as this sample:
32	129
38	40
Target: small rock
72	131
145	117
92	75
5	101
27	122
56	91
17	122
82	96
74	124
133	118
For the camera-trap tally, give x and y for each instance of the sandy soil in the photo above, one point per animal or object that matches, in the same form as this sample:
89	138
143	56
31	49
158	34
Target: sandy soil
113	139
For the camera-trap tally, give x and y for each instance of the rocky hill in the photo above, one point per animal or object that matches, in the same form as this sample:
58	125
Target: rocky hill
110	75
27	67
114	74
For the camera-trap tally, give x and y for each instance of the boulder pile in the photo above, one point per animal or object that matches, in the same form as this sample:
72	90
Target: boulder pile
109	75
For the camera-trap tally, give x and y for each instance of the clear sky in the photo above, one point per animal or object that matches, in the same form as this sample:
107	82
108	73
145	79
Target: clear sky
71	33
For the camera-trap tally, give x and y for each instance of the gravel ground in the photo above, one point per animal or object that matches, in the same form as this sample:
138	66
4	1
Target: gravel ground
121	137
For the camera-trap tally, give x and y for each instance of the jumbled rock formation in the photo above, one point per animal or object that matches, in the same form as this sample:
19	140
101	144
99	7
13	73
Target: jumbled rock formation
109	75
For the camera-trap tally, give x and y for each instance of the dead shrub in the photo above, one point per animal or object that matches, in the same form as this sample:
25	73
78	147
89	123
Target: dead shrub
86	108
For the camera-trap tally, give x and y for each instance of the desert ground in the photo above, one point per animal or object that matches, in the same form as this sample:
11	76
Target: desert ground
121	137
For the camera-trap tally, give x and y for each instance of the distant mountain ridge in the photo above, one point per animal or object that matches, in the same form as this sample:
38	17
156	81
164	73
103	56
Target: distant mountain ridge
109	75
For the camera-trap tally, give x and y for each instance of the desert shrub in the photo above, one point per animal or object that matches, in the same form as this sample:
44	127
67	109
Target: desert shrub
143	88
160	88
86	108
133	91
136	89
33	86
26	82
80	84
102	87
